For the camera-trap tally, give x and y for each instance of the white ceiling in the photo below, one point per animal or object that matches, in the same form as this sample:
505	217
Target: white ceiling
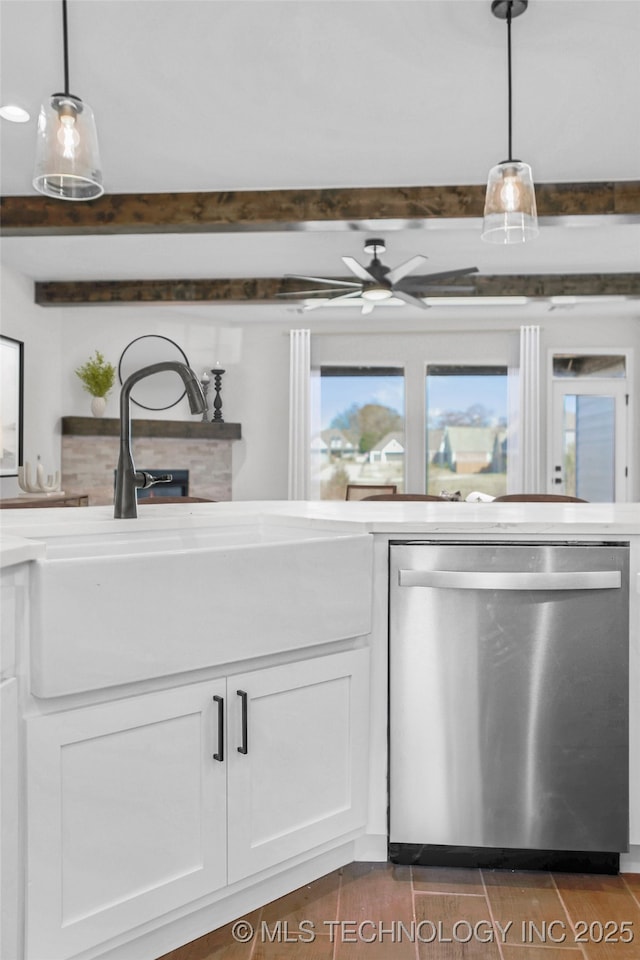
259	94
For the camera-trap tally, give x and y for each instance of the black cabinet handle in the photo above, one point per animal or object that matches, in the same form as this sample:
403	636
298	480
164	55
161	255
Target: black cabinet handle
245	747
220	754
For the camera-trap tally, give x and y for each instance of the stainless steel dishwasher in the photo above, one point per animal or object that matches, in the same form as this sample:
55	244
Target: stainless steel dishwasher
509	704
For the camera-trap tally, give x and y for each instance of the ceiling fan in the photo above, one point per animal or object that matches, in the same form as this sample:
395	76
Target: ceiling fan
378	284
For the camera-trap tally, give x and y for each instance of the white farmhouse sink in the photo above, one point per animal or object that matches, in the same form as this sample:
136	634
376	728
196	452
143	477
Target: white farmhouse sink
118	606
174	540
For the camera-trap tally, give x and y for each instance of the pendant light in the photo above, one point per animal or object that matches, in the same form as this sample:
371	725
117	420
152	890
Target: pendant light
67	158
510	205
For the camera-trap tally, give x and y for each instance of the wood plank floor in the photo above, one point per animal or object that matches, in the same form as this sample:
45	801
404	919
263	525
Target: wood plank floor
379	911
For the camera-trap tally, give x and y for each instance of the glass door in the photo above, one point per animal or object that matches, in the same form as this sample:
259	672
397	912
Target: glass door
589	450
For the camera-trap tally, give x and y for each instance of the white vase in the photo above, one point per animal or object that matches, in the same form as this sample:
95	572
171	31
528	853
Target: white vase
98	406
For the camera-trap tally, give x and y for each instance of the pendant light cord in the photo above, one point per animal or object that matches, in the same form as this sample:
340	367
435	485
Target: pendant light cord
510	155
65	47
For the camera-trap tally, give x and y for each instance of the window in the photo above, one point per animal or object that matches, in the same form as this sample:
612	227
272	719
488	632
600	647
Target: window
594	366
360	435
466	447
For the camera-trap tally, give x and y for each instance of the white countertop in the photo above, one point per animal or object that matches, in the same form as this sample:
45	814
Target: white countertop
14	550
20	528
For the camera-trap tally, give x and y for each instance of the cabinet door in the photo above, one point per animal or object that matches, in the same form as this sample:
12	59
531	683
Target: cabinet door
10	827
126	816
302	781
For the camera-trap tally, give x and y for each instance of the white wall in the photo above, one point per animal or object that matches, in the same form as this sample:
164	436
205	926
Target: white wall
39	330
256	384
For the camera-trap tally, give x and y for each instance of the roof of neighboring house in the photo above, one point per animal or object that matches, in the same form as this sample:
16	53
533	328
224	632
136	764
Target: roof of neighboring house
333	434
434	439
396	436
470	439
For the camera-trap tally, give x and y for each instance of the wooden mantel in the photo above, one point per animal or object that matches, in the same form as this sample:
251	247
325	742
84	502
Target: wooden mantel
176	429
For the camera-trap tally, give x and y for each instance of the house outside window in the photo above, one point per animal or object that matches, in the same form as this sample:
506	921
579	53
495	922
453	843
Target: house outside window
360	434
466	414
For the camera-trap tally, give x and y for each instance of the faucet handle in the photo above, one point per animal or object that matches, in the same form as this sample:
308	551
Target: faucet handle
147	480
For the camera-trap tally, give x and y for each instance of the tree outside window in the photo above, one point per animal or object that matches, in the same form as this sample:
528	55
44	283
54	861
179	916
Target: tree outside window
361	439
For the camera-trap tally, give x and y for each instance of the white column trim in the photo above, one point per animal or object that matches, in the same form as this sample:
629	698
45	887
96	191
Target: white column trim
299	414
530	413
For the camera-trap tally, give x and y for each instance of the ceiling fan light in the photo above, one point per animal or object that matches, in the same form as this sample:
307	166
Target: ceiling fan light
67	163
376	293
510	214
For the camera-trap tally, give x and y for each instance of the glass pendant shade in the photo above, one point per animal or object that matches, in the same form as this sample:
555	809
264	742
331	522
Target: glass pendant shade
510	214
67	158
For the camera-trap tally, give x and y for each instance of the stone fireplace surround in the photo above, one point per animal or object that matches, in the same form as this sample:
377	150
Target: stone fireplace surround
90	454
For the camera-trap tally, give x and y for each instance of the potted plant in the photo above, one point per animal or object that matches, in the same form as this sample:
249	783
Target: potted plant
98	377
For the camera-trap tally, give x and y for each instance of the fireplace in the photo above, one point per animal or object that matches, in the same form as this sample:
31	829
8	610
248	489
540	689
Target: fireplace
90	453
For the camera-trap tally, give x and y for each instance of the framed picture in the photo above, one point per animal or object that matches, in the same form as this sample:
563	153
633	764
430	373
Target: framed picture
11	405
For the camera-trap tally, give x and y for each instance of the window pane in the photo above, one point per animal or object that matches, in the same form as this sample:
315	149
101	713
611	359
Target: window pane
577	365
361	436
466	430
588	451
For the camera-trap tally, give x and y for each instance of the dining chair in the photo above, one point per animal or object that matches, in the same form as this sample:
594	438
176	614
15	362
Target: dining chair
539	498
405	496
362	491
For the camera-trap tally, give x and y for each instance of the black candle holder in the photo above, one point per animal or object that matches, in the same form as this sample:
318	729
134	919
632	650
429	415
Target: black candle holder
205	383
217	401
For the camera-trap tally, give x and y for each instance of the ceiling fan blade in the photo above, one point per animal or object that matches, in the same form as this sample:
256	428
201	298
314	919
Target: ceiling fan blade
404	268
329	301
427	278
358	269
317	292
408	298
338	283
345	296
310	305
315	302
367	307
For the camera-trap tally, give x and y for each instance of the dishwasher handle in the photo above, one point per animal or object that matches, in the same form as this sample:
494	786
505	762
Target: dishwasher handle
482	580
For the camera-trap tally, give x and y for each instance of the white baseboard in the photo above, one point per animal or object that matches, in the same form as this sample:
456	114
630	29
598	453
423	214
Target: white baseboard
630	862
181	931
371	847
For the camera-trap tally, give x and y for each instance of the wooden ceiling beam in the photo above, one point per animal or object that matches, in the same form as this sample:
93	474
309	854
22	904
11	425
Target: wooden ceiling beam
267	289
353	208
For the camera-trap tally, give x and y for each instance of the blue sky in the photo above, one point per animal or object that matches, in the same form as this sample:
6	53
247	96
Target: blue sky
460	393
339	393
446	393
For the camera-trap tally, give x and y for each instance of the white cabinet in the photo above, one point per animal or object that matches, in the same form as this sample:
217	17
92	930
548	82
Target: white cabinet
126	816
127	804
13	596
10	872
303	778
